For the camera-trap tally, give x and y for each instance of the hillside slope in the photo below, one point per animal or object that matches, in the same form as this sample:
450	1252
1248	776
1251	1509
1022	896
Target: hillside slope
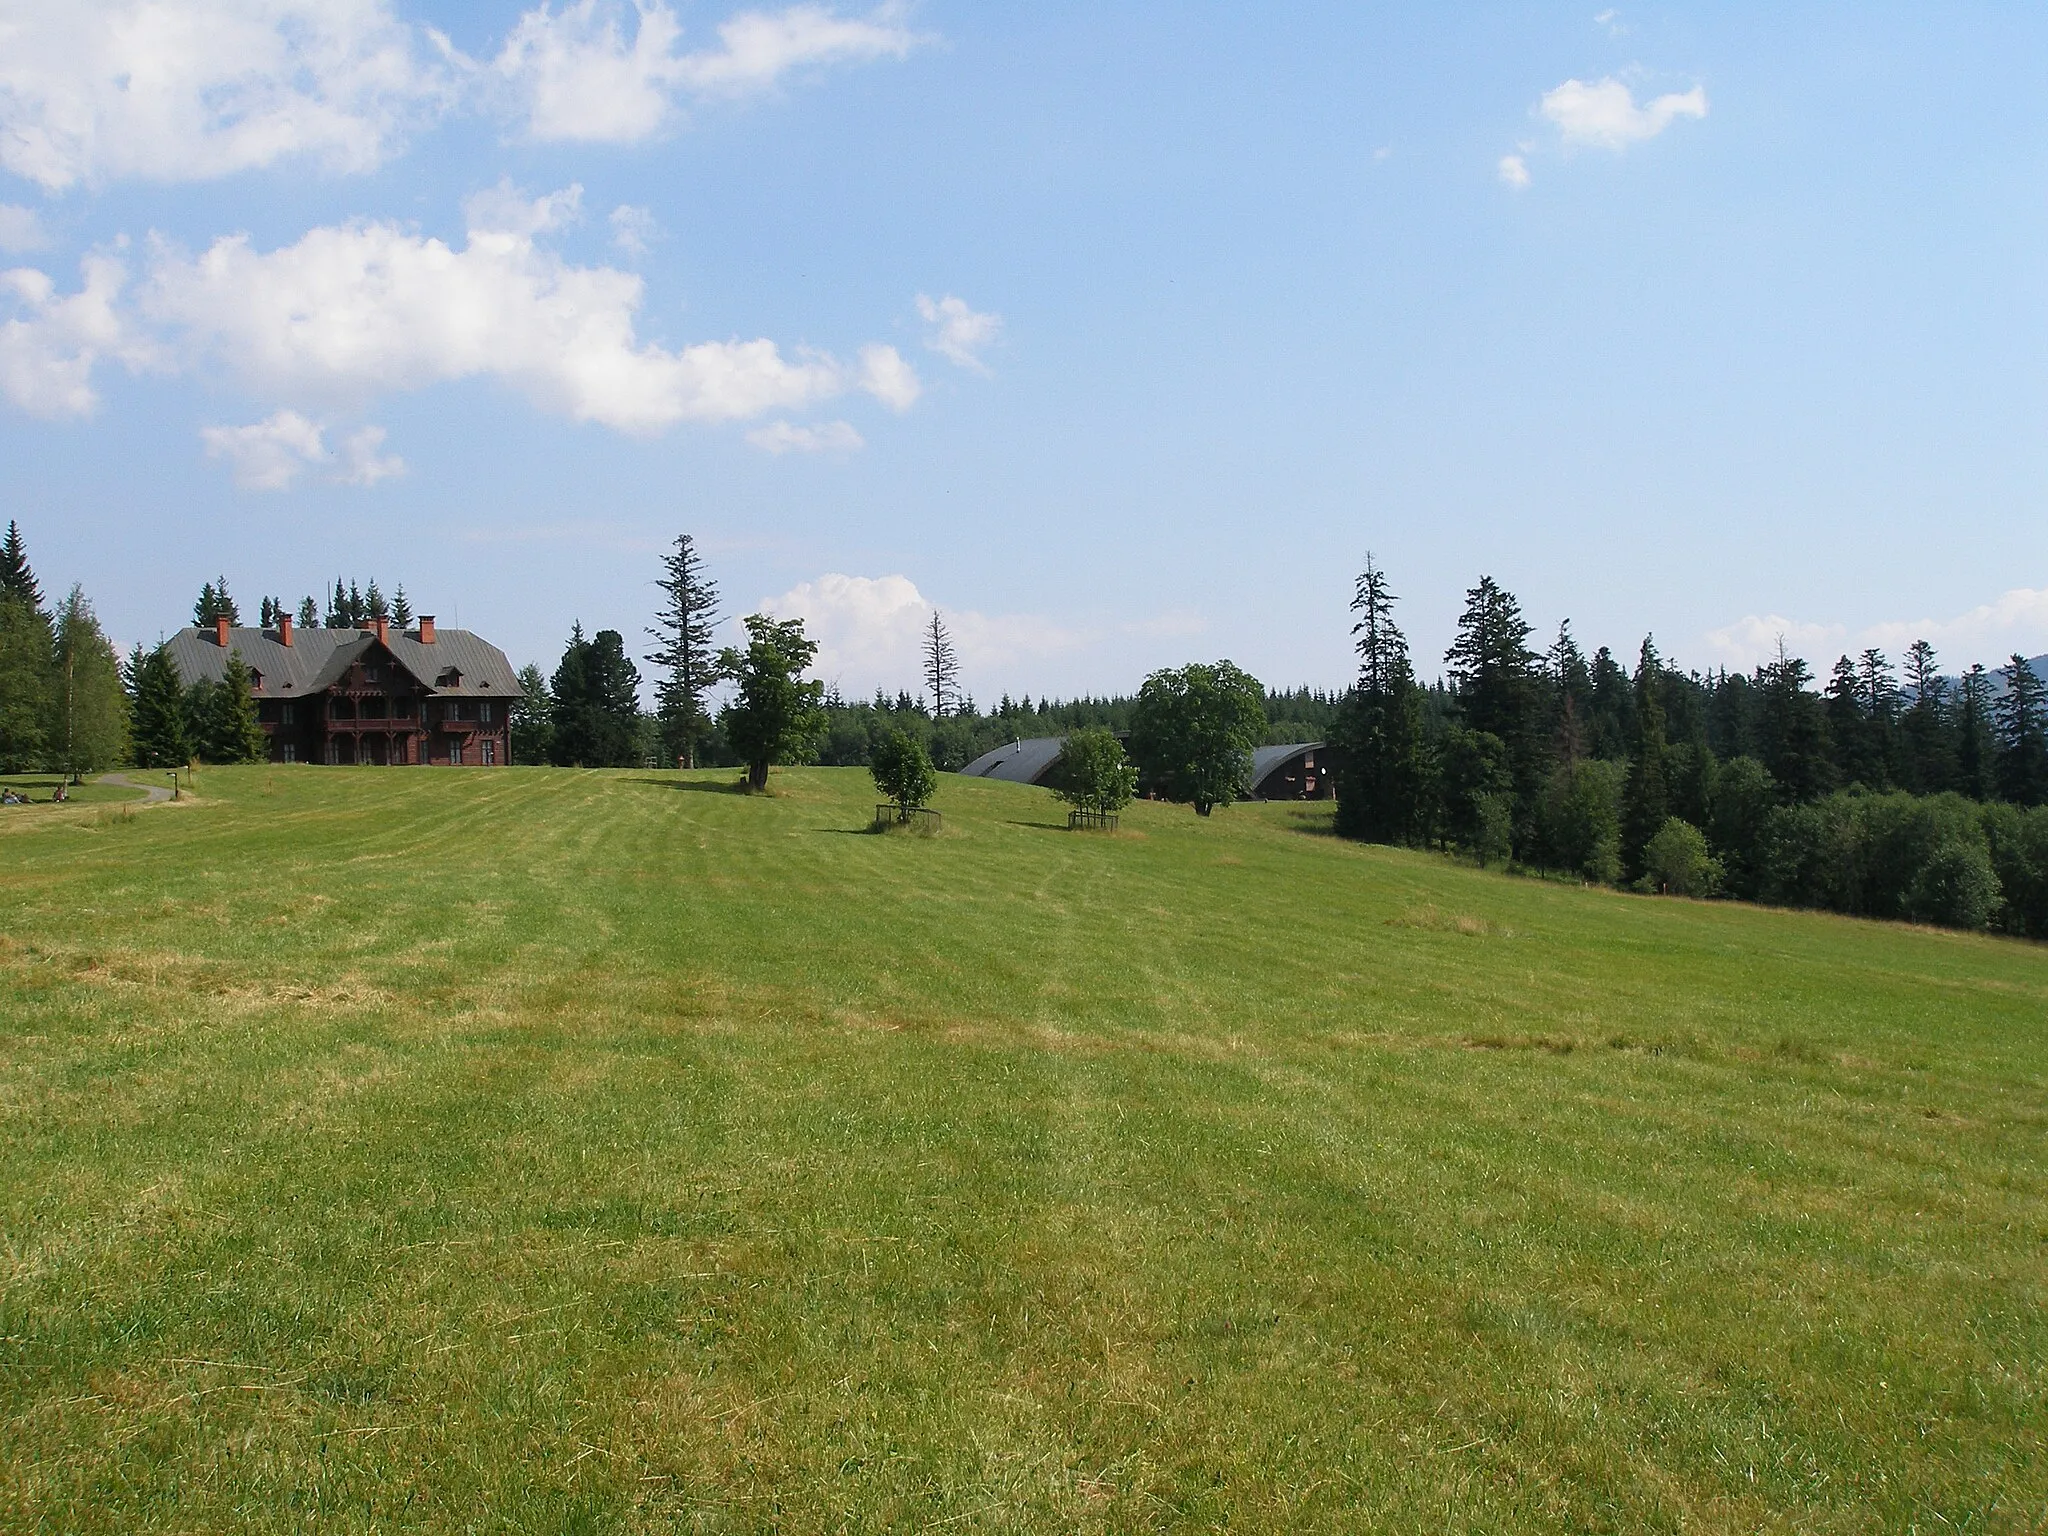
543	1150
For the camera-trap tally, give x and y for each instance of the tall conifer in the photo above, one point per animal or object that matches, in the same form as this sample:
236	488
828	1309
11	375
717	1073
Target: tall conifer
157	732
1379	731
2022	714
1646	798
682	633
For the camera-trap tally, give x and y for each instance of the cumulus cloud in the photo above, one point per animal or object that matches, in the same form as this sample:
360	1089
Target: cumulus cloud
353	310
885	375
1514	170
50	344
202	88
1604	114
275	453
195	89
868	630
575	75
958	332
2016	620
21	229
633	229
780	437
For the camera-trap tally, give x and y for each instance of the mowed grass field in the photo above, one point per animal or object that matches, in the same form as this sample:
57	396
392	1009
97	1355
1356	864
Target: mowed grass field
549	1151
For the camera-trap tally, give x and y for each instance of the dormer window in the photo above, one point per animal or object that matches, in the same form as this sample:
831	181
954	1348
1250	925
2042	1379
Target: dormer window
255	678
450	677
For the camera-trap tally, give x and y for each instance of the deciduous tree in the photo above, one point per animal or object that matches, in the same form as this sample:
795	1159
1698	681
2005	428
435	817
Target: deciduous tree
1094	775
1193	732
777	716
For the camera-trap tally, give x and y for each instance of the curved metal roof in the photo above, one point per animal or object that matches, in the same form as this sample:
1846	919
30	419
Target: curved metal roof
1267	761
1021	762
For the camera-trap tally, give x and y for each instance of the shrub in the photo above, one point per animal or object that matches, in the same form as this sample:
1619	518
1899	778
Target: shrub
903	771
1677	863
1956	887
1094	774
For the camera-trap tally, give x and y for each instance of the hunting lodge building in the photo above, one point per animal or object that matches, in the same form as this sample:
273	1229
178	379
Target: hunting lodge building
372	694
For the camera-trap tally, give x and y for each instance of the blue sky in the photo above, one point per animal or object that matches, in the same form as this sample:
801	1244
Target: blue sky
1117	332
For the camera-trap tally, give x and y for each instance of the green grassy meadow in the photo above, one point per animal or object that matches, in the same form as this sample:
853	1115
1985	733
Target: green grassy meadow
550	1151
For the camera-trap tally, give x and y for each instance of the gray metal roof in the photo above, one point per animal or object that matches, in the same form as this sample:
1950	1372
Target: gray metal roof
1021	762
1267	760
316	657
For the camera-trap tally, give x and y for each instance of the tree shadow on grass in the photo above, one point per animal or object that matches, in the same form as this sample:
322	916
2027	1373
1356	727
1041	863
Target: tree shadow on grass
699	786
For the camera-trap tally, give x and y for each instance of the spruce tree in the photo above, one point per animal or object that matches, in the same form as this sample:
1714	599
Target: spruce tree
309	613
1646	798
1976	752
1379	732
1791	730
682	634
533	730
2022	714
941	666
232	732
374	604
358	609
27	651
157	733
16	579
1571	681
1500	690
90	730
1927	750
401	608
337	608
1612	724
215	603
573	727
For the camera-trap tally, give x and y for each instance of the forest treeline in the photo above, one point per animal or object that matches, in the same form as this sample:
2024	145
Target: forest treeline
1881	791
1878	794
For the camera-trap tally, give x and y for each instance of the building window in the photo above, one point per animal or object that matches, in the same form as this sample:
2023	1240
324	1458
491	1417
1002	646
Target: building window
483	712
455	754
291	753
374	674
490	754
333	753
286	714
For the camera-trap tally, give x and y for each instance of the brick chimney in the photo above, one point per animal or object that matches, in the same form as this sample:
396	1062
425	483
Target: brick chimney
284	629
426	629
220	631
383	628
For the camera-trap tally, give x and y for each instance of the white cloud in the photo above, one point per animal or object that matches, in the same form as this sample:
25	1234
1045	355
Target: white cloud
575	76
273	454
1605	115
633	229
360	462
1514	170
353	310
269	455
2016	620
868	630
21	229
885	375
203	88
49	346
959	333
780	437
758	47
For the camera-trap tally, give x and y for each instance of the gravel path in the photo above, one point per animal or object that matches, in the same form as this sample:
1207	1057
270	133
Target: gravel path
151	793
